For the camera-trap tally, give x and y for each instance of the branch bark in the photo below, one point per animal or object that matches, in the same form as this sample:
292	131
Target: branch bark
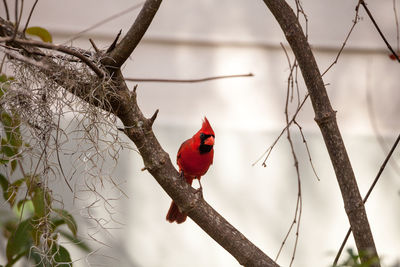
122	102
325	117
157	162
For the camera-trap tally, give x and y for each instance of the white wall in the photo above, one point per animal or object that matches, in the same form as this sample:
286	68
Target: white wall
194	39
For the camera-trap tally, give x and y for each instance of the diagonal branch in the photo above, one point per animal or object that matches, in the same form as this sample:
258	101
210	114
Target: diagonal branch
379	30
325	117
378	175
188	80
124	49
158	163
123	103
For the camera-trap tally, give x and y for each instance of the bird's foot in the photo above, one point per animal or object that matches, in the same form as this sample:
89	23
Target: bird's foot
199	191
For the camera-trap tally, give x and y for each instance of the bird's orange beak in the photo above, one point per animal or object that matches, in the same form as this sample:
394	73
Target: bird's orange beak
209	141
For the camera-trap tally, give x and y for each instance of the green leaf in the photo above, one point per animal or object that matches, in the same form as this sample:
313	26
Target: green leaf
13	166
6	149
3	78
20	240
64	216
40	32
5	185
28	208
38	201
6	119
4	83
11	127
12	189
61	256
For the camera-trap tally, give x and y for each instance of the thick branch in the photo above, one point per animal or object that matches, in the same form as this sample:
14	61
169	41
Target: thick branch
123	50
122	103
157	162
326	118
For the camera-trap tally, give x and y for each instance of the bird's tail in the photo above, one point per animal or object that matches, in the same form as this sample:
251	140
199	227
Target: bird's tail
174	214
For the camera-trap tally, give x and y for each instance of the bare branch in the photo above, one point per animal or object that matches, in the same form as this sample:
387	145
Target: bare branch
122	102
6	8
188	80
379	30
325	117
29	17
94	45
269	150
368	194
158	163
60	48
355	20
117	15
132	38
308	150
397	26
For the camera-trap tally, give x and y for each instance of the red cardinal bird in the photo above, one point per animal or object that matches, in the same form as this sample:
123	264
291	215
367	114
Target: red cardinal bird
194	158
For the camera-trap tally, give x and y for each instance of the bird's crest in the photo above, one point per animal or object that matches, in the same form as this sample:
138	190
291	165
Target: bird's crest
206	127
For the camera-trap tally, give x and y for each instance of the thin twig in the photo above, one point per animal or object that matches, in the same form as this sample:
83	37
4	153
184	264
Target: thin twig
308	150
291	82
397	26
94	45
117	15
379	30
374	123
269	150
20	15
134	35
58	153
355	20
29	17
2	63
16	19
297	215
6	8
188	80
378	175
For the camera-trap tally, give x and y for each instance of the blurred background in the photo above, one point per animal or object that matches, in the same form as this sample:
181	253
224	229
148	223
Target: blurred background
196	39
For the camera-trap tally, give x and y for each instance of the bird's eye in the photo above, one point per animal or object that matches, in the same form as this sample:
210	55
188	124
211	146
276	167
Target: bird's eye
202	136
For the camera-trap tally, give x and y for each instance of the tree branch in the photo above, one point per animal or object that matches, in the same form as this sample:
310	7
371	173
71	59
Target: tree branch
61	48
157	162
378	175
379	30
188	80
122	102
124	49
325	117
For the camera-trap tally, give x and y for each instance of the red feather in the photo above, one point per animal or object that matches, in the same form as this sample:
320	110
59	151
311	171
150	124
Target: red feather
195	156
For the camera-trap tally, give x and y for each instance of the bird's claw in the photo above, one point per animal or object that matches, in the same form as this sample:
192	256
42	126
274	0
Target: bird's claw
199	191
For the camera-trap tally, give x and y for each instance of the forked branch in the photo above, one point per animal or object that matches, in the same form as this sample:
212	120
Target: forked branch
325	117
